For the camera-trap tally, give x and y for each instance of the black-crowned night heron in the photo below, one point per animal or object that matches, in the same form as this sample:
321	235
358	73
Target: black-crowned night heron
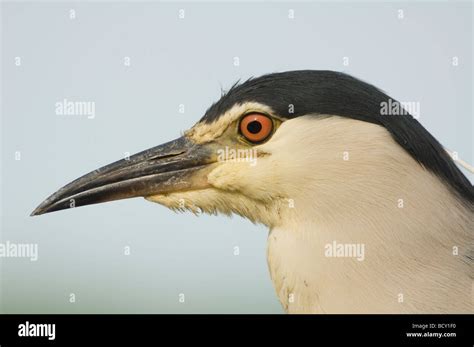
310	155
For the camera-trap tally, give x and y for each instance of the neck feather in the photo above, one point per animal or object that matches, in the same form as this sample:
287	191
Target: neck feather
366	193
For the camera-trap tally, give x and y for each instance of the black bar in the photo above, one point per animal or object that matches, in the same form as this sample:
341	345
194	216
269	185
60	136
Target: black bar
454	330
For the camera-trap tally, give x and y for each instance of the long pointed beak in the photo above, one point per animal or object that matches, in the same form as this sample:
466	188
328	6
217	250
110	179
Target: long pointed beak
177	165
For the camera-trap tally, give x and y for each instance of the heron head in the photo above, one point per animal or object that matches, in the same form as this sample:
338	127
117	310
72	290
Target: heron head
267	144
224	165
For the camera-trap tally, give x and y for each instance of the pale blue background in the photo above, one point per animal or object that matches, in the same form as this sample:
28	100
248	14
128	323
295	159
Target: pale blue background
186	62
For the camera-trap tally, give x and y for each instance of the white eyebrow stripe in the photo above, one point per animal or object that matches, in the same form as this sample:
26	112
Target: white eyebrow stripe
205	132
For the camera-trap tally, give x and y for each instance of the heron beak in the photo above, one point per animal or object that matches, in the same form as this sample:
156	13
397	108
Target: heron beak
174	166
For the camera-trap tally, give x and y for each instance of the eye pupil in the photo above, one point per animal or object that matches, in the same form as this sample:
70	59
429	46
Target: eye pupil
254	127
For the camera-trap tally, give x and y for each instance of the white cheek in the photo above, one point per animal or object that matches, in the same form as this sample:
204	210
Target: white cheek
225	177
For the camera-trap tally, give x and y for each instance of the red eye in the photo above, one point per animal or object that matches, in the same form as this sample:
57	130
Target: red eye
256	127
